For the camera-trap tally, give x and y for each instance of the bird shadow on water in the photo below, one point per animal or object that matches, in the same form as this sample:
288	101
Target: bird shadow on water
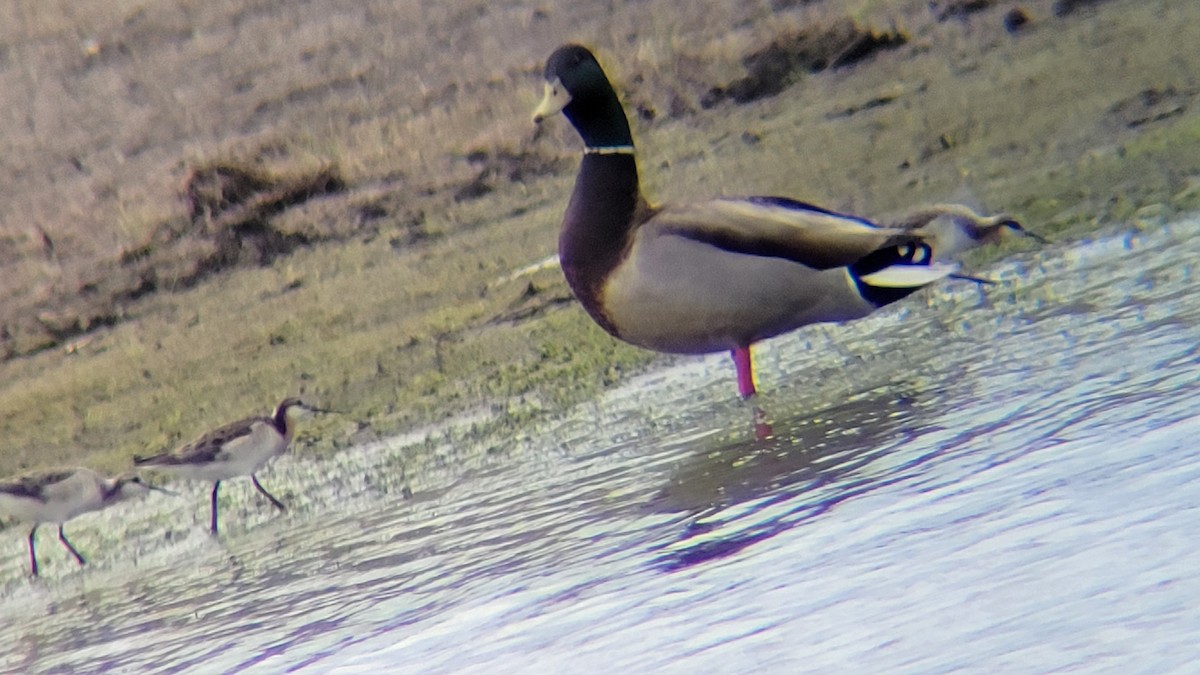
743	492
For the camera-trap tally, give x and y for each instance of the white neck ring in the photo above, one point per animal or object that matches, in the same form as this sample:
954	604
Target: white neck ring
610	150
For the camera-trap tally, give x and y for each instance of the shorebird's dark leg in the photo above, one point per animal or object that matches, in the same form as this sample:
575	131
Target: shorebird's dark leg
745	371
62	536
278	504
213	524
33	568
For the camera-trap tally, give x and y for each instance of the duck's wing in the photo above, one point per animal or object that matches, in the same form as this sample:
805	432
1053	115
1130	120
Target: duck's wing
780	228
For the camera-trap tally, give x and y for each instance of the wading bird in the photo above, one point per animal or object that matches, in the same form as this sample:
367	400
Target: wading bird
240	448
714	275
58	495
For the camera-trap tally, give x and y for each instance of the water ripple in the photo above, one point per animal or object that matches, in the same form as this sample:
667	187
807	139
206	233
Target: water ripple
1005	479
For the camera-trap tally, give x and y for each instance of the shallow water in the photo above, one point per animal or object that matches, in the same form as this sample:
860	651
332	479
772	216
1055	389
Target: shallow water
995	480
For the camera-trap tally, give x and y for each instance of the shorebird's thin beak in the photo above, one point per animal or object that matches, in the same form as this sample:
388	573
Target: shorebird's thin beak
978	280
161	489
1020	229
324	411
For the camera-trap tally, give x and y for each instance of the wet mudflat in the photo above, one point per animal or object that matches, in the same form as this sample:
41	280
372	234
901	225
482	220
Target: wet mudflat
983	480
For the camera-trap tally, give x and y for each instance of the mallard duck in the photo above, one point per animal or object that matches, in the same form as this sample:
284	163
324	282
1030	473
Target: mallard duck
716	275
239	448
951	229
58	495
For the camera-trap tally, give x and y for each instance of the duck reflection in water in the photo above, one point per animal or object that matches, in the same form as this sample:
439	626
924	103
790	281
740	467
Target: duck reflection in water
813	461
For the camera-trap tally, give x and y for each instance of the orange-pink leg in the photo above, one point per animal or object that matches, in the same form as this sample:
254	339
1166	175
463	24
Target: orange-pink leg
745	371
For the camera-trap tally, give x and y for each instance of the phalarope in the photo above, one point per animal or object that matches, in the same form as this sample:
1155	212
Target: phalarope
58	495
237	449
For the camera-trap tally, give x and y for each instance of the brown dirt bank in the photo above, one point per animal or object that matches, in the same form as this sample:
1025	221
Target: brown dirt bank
210	204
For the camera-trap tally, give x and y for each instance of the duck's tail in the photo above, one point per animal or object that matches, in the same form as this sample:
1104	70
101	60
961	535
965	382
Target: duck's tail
895	272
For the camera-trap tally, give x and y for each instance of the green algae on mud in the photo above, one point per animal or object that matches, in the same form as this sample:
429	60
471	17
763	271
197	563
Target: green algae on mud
416	317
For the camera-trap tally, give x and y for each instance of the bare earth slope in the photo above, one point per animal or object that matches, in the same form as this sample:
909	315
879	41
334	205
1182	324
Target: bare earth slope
208	205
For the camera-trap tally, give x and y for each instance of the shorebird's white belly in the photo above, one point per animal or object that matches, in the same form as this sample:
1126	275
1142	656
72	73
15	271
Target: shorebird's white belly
240	457
63	501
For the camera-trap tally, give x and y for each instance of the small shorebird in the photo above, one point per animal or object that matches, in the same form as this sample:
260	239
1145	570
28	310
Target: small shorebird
59	495
954	228
237	449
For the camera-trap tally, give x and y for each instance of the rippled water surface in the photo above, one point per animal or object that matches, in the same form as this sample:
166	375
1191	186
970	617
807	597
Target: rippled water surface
997	480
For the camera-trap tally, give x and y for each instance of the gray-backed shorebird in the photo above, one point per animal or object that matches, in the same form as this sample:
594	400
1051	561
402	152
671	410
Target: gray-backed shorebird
953	228
715	275
240	448
58	495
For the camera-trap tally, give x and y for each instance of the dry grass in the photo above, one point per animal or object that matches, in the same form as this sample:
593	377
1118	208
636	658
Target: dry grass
423	109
